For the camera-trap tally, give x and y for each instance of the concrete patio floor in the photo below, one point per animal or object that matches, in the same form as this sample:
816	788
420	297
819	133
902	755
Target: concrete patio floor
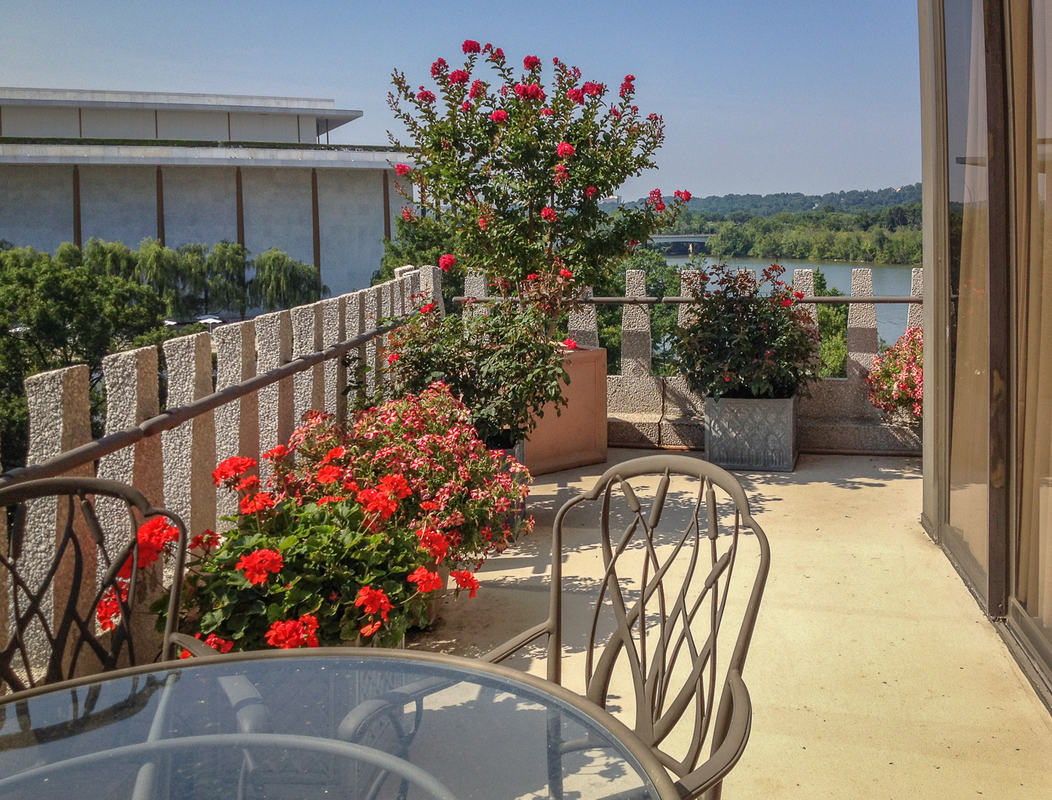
873	672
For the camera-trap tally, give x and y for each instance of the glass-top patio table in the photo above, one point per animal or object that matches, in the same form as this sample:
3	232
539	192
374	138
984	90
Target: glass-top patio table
333	722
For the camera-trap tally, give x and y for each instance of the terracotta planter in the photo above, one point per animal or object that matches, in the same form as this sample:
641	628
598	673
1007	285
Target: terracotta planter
578	436
752	434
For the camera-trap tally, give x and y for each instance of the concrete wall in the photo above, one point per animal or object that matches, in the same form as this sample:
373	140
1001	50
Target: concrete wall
205	125
41	121
36	204
105	123
351	215
200	205
118	204
278	211
268	128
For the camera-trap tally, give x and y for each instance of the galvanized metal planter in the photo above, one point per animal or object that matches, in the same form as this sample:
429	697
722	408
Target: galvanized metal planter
752	434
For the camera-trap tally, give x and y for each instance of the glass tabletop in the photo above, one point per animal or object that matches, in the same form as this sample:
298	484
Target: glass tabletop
298	724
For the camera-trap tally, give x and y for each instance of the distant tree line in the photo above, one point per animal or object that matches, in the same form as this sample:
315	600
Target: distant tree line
79	305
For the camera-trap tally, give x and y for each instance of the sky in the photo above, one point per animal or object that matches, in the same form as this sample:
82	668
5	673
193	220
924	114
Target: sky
758	96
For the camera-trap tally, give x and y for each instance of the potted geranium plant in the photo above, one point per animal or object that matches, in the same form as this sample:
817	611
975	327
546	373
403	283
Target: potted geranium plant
350	539
516	168
750	352
896	379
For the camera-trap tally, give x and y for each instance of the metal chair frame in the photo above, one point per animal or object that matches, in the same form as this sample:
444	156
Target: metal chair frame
656	624
73	629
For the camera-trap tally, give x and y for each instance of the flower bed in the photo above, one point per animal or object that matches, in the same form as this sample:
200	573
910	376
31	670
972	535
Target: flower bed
344	543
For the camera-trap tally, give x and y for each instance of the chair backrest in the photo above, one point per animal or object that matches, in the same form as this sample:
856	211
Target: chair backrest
65	606
661	602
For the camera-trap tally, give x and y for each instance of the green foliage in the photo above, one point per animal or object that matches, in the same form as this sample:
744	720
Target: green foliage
282	282
897	378
832	326
755	205
55	313
421	241
502	365
744	342
516	170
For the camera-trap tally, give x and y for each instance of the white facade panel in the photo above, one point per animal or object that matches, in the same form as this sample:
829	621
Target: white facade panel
114	123
36	205
277	207
200	205
205	126
41	121
118	204
351	214
263	128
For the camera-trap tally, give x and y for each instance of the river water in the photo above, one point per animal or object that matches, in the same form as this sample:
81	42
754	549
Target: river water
888	280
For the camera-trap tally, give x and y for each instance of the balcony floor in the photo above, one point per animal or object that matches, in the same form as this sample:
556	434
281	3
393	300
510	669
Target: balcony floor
873	672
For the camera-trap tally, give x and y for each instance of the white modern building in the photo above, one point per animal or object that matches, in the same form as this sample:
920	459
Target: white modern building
193	168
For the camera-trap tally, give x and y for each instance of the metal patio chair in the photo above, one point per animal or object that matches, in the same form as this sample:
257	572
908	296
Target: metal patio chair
658	614
51	590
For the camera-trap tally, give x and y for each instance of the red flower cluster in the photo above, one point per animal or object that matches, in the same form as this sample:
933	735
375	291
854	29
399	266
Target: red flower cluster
465	580
577	95
565	273
373	601
682	194
529	91
471	46
258	563
292	633
548	214
570	344
656	200
438	68
425	580
213	641
459	76
565	150
590	192
232	469
254	503
546	112
152	537
424	96
427	308
433	542
402	170
280	451
531	62
208	538
446	262
500	115
560	174
591	88
628	87
477	88
330	473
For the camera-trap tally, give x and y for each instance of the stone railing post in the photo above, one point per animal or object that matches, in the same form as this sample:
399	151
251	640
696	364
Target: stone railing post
308	388
59	420
915	316
274	348
334	371
372	310
236	423
583	325
861	342
190	449
636	343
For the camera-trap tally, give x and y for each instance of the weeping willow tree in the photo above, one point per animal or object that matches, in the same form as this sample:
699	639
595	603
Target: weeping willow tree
281	281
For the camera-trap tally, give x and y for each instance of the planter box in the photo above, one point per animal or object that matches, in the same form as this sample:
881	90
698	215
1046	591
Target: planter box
578	436
752	434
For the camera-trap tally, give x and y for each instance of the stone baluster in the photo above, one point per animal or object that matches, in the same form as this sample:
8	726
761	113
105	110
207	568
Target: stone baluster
431	288
354	325
59	420
915	317
636	344
372	310
804	283
475	286
274	348
861	342
308	388
583	325
690	284
334	371
190	449
237	422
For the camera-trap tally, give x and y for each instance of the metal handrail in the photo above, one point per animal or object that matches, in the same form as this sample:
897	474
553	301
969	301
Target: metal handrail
679	299
173	417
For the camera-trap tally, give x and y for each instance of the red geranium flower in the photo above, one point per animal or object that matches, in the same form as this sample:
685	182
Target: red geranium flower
330	473
254	503
231	469
371	628
465	580
258	563
427	308
277	452
570	344
373	601
425	580
292	633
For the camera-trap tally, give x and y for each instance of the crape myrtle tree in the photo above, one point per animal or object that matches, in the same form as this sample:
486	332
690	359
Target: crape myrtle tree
516	169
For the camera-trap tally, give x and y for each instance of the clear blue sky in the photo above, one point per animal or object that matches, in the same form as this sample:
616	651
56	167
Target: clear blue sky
758	96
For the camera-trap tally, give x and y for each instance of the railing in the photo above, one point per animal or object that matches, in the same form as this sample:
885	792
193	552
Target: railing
270	370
